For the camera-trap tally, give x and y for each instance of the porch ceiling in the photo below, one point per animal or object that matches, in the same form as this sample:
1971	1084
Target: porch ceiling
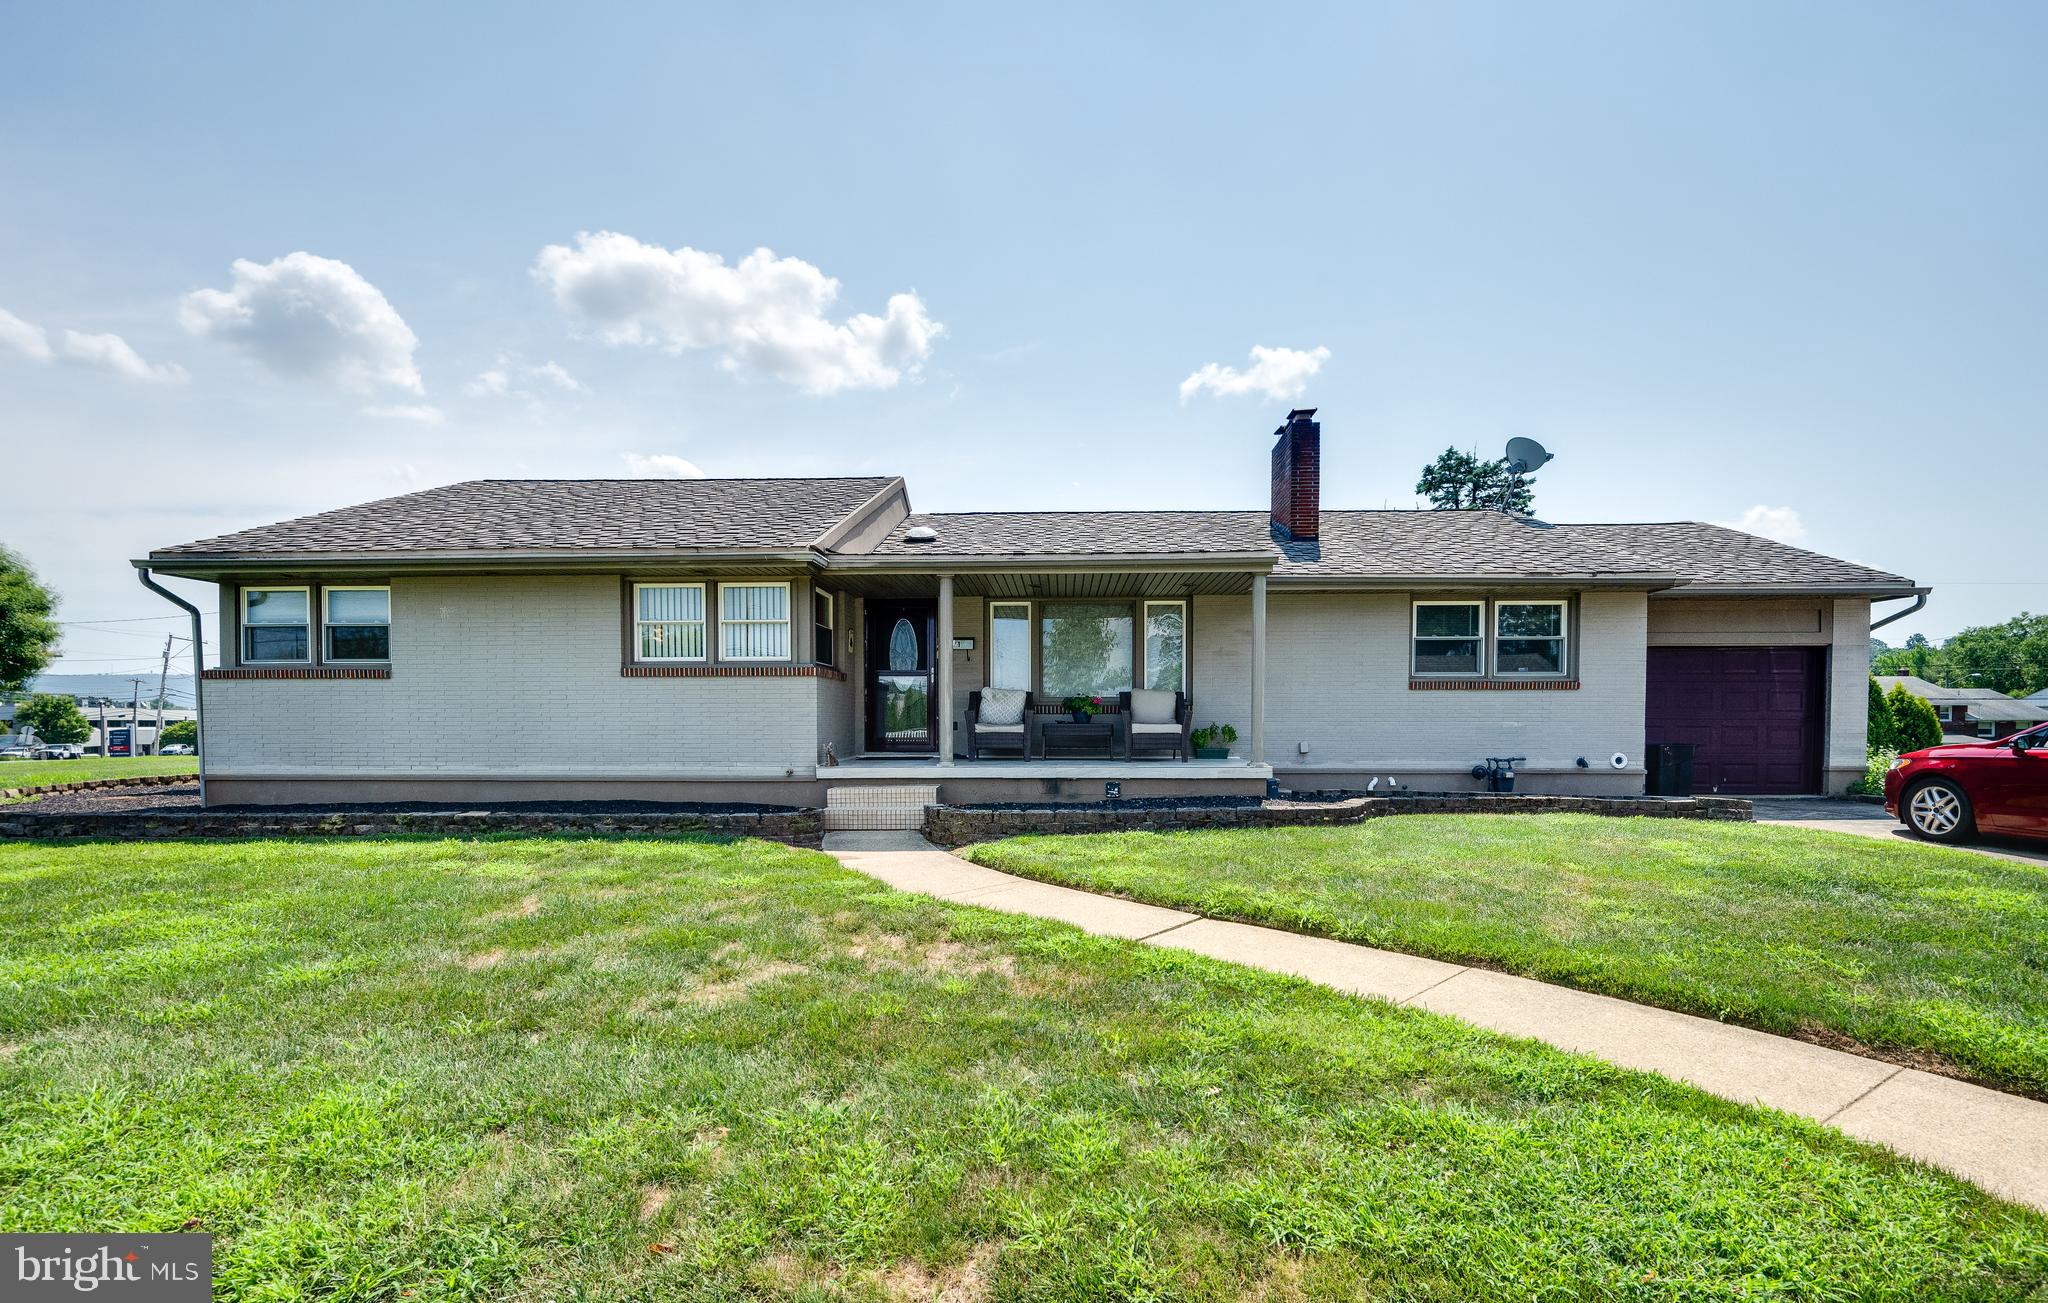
1045	583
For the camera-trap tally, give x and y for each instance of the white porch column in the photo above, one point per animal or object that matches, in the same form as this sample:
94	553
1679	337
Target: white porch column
1258	754
944	655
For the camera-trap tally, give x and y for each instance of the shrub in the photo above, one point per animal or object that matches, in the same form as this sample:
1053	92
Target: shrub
1884	726
1872	782
1918	725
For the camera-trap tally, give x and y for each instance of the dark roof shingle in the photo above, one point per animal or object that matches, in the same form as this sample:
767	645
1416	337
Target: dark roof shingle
1714	555
565	515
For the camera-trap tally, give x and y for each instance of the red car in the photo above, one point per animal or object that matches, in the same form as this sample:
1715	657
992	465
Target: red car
1952	792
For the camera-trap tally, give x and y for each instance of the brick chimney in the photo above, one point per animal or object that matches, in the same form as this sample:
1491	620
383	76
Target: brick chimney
1298	474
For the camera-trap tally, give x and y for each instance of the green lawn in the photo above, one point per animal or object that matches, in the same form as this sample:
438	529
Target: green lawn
423	1070
34	773
1915	950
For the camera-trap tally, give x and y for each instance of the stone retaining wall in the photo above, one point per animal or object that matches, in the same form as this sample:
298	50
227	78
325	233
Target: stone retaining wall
946	825
94	784
792	827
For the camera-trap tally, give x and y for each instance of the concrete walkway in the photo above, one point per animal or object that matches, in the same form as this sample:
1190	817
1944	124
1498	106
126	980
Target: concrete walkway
1997	1141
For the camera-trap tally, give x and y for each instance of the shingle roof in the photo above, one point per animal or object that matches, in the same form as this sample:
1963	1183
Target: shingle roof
1081	533
1354	544
579	515
1714	555
1453	544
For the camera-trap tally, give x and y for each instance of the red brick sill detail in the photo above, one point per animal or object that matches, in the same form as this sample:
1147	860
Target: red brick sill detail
1493	685
300	672
731	672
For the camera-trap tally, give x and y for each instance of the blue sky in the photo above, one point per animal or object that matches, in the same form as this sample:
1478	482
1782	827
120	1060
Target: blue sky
1719	258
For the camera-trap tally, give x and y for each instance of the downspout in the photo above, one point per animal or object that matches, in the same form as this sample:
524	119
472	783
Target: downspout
198	666
1919	600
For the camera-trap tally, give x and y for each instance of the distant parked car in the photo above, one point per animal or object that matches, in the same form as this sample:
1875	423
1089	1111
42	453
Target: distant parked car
1951	793
60	751
17	753
178	749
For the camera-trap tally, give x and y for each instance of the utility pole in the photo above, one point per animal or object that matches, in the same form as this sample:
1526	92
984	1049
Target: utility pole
135	720
163	680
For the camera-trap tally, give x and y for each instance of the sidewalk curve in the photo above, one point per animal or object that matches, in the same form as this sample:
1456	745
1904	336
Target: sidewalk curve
1993	1140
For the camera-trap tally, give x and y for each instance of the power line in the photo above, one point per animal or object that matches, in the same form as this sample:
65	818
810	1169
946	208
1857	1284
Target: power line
136	619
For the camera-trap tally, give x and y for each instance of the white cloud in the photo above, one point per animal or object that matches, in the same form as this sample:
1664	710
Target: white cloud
1277	373
417	413
1780	523
24	338
555	374
108	352
113	353
303	315
763	316
489	384
662	466
497	382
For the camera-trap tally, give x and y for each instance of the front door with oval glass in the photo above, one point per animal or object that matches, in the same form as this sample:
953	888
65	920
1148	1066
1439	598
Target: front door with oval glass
901	676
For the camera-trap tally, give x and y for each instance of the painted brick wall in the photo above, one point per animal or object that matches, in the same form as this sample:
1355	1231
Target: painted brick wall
1337	679
515	675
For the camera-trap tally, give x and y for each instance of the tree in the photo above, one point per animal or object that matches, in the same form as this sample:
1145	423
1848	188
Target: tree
2010	657
1917	723
54	718
1461	481
28	636
186	733
1884	726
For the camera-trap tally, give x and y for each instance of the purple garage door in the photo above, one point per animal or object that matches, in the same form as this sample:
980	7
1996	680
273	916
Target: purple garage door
1753	715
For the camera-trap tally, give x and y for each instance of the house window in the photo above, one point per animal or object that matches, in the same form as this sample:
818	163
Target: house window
1528	638
1085	648
276	625
355	620
821	625
1448	637
1166	646
668	622
753	622
1009	645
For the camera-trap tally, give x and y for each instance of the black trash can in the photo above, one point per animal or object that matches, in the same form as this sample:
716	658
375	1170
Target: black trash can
1670	769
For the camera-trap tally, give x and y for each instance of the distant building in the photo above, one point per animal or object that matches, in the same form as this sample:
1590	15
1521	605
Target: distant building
1973	712
104	720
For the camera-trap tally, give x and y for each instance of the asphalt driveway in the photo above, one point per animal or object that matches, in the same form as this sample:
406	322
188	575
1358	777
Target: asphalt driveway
1865	820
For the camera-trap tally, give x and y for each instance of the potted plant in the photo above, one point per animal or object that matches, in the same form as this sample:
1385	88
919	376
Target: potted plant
1213	741
1084	708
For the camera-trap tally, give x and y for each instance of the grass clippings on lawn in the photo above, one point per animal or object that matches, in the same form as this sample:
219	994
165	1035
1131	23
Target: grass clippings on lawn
1927	955
712	1070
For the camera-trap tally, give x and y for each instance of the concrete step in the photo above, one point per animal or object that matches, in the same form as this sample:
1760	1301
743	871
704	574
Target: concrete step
894	807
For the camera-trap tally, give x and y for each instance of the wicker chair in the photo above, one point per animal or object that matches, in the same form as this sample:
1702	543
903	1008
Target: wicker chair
1146	727
982	735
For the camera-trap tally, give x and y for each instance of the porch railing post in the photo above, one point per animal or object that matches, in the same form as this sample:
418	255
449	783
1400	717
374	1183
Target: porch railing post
1258	755
943	653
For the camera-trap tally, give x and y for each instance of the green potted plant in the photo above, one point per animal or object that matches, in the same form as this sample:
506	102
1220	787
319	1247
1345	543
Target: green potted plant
1212	742
1084	708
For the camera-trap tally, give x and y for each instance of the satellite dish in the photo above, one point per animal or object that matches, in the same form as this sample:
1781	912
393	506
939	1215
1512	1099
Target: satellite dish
1525	455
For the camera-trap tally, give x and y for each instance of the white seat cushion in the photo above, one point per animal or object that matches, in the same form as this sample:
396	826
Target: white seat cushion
1002	706
1154	728
1150	706
998	728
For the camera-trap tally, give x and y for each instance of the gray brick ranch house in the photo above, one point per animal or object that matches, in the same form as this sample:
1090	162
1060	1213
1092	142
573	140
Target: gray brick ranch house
768	639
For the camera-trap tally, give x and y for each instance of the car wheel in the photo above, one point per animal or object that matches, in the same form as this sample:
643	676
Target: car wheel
1938	811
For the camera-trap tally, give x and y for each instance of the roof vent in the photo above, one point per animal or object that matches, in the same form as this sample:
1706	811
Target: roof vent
920	534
